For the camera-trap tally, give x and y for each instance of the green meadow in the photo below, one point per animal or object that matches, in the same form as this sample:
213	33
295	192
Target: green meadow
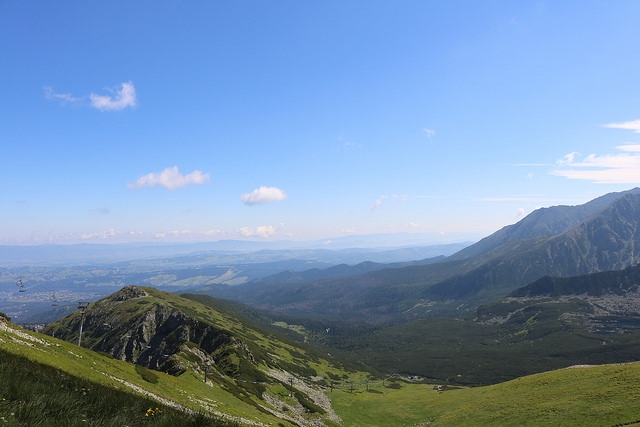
607	395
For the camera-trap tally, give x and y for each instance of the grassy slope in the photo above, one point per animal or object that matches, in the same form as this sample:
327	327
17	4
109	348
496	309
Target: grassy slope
589	396
37	394
602	395
222	394
188	390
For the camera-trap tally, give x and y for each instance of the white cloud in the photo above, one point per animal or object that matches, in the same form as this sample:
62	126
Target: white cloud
511	199
430	132
395	198
633	125
214	232
568	158
378	202
170	178
519	213
107	234
178	233
65	98
263	195
123	98
619	168
261	231
631	148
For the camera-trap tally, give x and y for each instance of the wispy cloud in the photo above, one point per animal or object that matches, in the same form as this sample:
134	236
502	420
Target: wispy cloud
103	235
170	178
260	231
103	210
430	132
65	98
512	199
346	145
122	96
177	233
214	232
633	125
263	195
618	168
631	148
380	200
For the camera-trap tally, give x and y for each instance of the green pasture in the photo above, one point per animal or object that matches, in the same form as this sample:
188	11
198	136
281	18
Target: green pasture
607	395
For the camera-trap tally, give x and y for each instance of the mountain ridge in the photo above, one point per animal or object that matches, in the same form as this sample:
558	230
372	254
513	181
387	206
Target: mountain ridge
601	235
171	334
542	222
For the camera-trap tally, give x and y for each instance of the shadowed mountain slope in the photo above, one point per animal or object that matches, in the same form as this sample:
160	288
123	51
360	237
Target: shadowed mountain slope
601	235
541	222
549	324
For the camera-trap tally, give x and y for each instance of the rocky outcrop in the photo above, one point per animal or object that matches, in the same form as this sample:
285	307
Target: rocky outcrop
158	336
168	333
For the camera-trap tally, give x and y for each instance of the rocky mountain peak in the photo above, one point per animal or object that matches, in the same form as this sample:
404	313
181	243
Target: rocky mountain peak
133	326
128	293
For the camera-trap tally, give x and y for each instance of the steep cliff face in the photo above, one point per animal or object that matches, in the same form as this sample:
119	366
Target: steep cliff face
133	328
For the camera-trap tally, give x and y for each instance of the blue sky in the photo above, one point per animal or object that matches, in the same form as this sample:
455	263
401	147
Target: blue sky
210	120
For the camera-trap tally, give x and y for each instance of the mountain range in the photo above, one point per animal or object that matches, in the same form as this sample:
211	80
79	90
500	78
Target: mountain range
601	235
318	346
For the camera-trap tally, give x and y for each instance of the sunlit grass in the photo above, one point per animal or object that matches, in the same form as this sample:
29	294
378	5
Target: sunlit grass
605	395
36	394
188	390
